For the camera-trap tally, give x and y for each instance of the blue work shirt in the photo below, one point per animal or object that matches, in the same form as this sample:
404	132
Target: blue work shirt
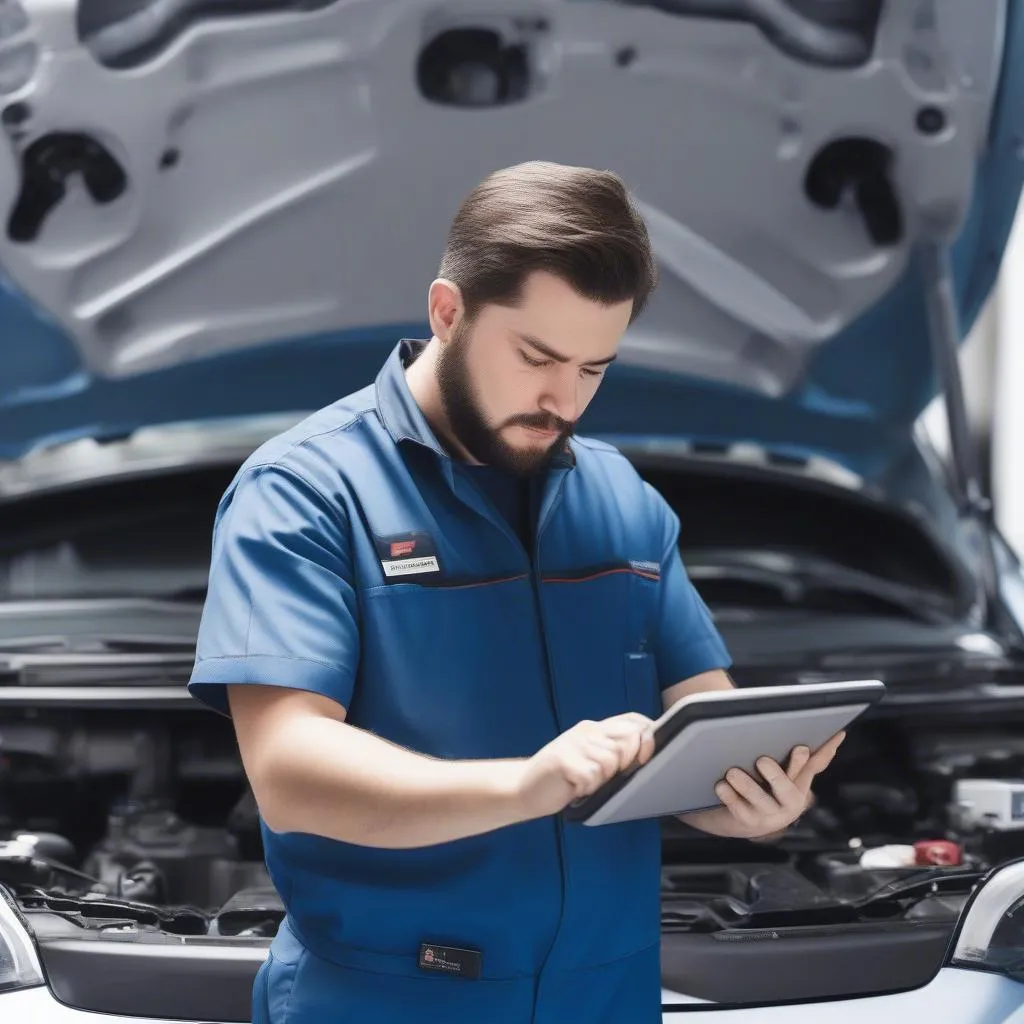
353	558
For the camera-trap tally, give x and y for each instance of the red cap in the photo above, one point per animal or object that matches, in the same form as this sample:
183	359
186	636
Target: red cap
937	852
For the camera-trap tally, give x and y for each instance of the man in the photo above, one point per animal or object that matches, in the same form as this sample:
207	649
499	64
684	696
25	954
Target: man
461	617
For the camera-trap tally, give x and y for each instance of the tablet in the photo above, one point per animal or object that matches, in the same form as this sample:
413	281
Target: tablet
699	738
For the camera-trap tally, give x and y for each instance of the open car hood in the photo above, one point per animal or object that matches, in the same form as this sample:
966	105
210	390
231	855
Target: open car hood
209	216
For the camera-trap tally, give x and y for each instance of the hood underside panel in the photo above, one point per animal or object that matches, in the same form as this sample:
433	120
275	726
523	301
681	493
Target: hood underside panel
210	253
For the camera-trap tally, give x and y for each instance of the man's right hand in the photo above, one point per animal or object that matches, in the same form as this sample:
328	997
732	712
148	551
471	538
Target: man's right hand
312	772
580	761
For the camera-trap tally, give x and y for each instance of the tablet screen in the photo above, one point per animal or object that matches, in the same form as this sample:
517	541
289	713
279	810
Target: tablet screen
702	736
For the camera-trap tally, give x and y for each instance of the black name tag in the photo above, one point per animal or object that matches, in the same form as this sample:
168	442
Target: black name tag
461	963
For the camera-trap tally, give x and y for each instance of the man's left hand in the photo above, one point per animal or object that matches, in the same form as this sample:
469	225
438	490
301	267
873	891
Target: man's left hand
749	810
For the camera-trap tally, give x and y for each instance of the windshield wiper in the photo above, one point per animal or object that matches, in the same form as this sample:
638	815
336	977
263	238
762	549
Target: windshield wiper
797	578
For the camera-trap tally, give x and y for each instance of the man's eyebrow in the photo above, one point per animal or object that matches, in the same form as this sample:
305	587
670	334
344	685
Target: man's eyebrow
546	350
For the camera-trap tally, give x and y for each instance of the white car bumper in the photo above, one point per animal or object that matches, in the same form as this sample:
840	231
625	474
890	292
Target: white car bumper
954	997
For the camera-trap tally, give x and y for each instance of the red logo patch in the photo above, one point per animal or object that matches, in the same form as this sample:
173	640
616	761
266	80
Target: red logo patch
399	548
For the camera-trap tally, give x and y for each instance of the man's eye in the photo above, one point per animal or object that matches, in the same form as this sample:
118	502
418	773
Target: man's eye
587	372
534	362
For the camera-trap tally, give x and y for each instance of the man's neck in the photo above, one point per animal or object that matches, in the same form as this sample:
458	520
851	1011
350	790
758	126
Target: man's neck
421	376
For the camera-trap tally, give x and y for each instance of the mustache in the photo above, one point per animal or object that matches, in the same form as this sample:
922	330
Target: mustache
542	421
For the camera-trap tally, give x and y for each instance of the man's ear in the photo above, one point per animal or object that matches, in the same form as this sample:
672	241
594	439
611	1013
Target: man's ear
444	307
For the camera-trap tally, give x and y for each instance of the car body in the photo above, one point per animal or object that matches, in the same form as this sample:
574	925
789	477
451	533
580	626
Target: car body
216	223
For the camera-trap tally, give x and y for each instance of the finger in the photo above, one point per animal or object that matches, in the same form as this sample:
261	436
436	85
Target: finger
623	749
624	725
798	758
627	745
637	748
737	806
606	756
821	758
599	739
633	718
790	797
629	750
819	761
583	774
646	746
751	791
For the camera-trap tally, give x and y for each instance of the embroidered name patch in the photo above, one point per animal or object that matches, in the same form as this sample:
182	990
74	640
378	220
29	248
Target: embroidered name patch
407	554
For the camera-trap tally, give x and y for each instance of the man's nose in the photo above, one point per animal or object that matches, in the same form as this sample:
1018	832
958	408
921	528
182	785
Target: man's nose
562	394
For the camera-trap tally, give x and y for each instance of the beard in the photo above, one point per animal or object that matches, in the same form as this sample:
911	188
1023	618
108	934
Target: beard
469	424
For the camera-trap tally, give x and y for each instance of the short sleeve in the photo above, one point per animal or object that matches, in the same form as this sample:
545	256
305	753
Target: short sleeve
280	606
687	641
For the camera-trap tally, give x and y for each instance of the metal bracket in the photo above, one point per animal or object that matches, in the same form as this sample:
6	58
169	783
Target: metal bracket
944	334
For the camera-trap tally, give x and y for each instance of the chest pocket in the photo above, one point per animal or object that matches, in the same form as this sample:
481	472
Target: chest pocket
454	672
643	693
600	631
643	595
639	667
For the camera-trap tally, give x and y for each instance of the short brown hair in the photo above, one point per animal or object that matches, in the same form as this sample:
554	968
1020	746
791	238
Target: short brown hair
575	222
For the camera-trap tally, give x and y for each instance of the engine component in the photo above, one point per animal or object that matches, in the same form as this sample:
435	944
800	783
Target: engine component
856	874
39	859
988	803
892	856
18	866
244	824
923	853
256	911
146	850
704	898
46	846
105	914
878	813
937	852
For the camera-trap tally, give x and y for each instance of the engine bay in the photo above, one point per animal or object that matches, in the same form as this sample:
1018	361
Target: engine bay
141	810
120	819
128	832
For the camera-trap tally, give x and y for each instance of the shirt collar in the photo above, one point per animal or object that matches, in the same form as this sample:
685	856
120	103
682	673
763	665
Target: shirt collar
401	414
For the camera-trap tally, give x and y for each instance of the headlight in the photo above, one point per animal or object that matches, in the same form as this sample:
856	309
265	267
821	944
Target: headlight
992	929
19	965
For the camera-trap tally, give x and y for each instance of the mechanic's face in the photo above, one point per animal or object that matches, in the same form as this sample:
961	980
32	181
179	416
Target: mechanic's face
515	381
